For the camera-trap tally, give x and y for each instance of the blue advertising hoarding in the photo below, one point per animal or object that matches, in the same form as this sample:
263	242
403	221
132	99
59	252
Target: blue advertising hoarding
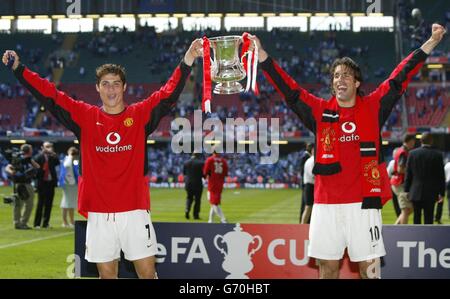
265	251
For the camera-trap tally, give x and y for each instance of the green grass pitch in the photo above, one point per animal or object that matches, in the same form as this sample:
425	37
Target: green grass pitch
45	253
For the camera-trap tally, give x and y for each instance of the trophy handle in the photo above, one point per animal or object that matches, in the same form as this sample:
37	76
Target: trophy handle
247	52
252	252
242	57
216	238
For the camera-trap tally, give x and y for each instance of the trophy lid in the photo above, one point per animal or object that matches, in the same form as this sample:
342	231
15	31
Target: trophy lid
238	234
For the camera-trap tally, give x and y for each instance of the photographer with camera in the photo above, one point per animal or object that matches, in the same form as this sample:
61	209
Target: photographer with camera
21	170
47	181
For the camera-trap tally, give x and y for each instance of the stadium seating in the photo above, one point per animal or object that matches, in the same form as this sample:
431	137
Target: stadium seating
426	111
150	58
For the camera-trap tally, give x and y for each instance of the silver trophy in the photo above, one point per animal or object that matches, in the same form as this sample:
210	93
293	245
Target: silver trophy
226	67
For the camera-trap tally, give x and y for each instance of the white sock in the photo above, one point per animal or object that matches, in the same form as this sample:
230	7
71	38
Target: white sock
221	215
211	214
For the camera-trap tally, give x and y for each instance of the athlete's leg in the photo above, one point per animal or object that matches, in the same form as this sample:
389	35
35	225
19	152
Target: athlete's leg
108	270
370	269
328	269
145	268
211	214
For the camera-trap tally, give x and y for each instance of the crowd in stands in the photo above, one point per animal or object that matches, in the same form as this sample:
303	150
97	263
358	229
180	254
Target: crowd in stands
11	91
311	64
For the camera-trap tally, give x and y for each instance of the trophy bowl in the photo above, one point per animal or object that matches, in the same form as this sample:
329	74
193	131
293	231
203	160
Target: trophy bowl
226	67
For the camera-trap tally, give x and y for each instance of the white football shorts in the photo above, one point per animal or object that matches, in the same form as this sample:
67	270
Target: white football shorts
335	227
109	233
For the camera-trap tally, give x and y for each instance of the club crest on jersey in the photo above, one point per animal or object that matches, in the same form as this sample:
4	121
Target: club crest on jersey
371	173
328	139
128	122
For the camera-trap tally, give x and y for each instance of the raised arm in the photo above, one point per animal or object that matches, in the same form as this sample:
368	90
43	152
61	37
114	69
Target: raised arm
68	111
161	102
303	103
437	34
393	87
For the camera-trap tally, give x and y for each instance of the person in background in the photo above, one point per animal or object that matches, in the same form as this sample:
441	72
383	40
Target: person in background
425	179
440	205
22	186
193	171
46	184
308	189
447	182
306	155
68	181
215	170
398	178
390	171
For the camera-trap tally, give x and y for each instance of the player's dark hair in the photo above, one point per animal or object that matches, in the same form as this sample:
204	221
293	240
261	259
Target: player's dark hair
427	138
351	65
409	137
110	68
26	148
73	151
309	147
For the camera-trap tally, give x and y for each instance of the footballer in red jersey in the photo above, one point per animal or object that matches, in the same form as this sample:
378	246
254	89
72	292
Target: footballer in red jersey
351	181
215	170
113	182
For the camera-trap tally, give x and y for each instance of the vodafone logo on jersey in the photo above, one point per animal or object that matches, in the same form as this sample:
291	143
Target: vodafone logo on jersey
113	139
348	130
348	127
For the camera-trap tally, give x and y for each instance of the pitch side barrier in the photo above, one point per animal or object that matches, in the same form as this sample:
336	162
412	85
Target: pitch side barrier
232	185
274	251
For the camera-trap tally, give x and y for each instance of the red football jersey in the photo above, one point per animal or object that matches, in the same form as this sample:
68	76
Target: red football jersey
113	173
346	185
216	169
332	188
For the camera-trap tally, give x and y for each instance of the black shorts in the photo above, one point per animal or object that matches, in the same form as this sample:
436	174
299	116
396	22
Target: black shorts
309	194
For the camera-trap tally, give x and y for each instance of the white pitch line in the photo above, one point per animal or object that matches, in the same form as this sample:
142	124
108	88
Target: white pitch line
34	240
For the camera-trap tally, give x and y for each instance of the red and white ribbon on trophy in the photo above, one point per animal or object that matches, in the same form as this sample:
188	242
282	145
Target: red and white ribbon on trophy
206	100
250	63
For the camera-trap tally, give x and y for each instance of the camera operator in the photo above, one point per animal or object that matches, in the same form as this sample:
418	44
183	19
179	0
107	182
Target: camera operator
22	171
46	184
